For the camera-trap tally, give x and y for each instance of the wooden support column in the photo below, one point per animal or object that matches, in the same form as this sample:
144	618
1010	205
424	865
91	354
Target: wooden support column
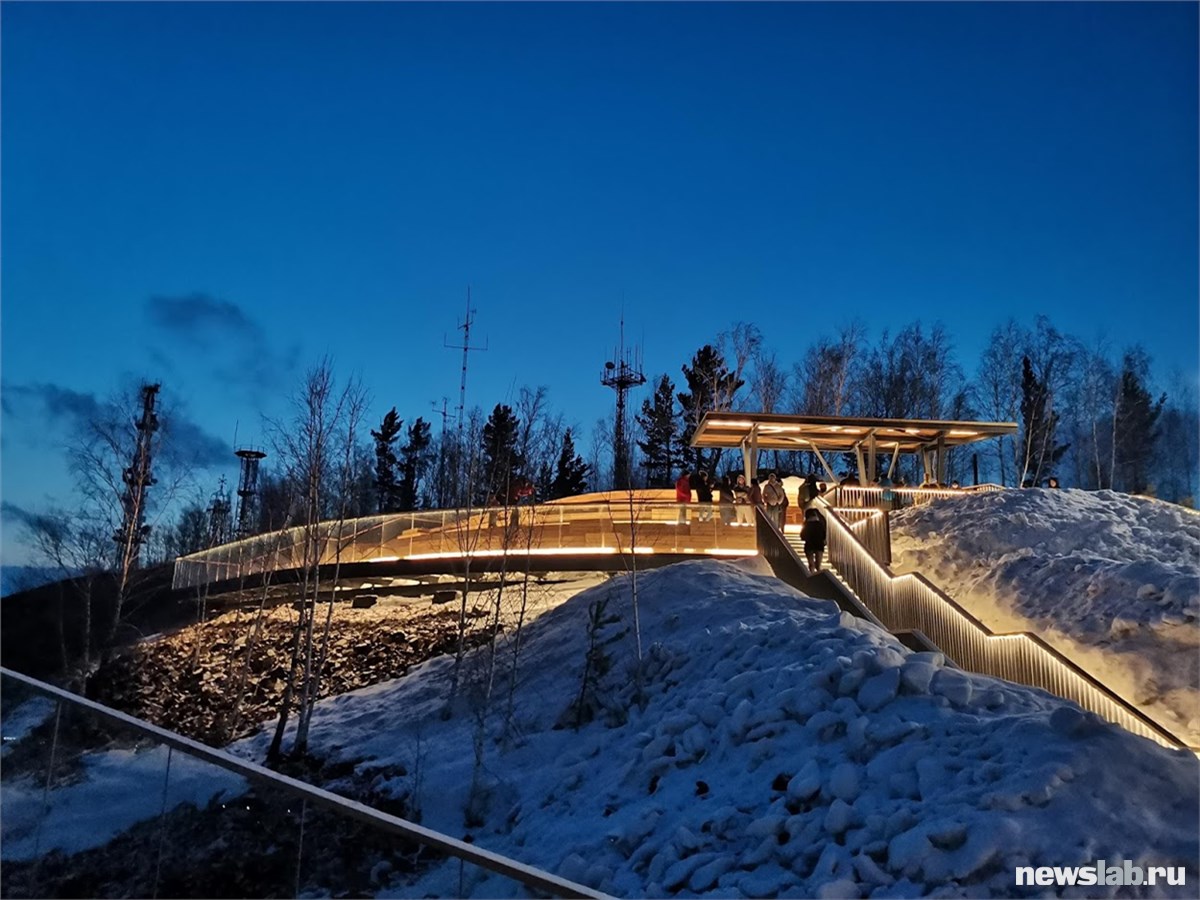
895	456
825	465
750	454
858	457
871	473
941	459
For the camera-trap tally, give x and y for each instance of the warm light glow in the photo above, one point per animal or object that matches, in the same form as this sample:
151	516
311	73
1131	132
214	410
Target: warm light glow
958	433
912	430
532	551
730	423
383	559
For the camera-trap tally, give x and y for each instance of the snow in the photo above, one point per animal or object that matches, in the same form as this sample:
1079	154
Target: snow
18	722
1110	580
782	748
115	790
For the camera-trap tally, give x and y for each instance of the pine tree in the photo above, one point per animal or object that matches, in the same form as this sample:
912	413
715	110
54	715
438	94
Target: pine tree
385	461
545	481
1135	428
415	458
711	386
660	427
502	462
570	478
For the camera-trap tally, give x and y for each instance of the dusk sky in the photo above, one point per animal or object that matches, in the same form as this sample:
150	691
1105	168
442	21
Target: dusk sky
215	195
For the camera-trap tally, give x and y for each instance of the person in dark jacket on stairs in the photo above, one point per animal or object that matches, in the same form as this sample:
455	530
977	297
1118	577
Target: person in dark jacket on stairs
813	535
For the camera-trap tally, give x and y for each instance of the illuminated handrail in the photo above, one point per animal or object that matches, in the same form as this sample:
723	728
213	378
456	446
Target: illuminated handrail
853	495
586	529
911	602
393	825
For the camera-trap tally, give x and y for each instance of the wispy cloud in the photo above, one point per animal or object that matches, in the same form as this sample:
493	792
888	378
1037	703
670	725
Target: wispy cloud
244	354
59	403
184	440
193	445
34	521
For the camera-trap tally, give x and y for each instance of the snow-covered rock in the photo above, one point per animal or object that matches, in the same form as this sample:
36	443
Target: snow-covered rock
916	782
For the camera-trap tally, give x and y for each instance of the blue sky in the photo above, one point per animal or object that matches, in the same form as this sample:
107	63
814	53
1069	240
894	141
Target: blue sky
217	194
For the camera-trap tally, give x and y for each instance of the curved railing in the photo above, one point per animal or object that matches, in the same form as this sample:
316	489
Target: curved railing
643	526
910	602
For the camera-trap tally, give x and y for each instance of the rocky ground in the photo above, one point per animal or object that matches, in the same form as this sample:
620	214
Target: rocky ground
217	680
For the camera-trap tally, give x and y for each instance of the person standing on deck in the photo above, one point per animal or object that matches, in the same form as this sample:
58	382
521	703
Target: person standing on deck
774	499
704	497
683	496
741	502
756	498
809	491
812	533
725	499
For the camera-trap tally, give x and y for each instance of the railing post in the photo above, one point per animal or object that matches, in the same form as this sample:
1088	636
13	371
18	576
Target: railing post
162	821
37	838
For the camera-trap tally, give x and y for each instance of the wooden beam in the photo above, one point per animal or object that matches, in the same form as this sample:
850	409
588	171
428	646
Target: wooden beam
895	456
824	464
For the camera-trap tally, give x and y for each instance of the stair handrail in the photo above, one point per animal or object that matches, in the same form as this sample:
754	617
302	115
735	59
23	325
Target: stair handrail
911	602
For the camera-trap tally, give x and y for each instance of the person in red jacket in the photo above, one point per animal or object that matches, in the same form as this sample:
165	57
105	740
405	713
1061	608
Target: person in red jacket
683	496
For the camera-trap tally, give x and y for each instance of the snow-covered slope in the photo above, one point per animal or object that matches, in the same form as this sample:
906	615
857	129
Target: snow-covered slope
782	749
1111	580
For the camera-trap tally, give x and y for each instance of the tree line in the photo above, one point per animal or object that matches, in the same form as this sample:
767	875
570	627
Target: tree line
1087	416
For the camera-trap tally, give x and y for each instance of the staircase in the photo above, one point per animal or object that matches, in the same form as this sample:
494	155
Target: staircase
921	615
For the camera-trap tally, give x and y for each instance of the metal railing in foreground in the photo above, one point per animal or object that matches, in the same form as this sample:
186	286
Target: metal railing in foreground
645	527
289	861
910	602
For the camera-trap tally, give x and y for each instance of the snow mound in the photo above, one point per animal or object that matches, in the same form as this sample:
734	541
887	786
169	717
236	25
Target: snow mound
1111	580
779	748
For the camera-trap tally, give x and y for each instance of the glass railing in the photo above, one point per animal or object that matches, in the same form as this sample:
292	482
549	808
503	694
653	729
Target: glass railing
99	804
644	527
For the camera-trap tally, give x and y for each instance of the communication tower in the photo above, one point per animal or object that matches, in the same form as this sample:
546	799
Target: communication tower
248	490
621	373
219	511
133	531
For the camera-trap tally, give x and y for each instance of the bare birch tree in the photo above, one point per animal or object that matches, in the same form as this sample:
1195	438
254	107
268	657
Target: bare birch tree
306	446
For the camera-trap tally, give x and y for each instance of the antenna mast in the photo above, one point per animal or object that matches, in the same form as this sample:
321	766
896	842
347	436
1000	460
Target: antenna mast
138	479
466	349
442	493
622	373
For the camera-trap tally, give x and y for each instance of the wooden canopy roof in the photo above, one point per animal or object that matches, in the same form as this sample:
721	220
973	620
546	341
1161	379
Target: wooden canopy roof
771	431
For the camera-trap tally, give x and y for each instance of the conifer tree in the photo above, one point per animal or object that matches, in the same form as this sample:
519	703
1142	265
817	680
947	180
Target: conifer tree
711	386
1135	425
660	427
570	477
386	487
545	481
502	461
415	458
